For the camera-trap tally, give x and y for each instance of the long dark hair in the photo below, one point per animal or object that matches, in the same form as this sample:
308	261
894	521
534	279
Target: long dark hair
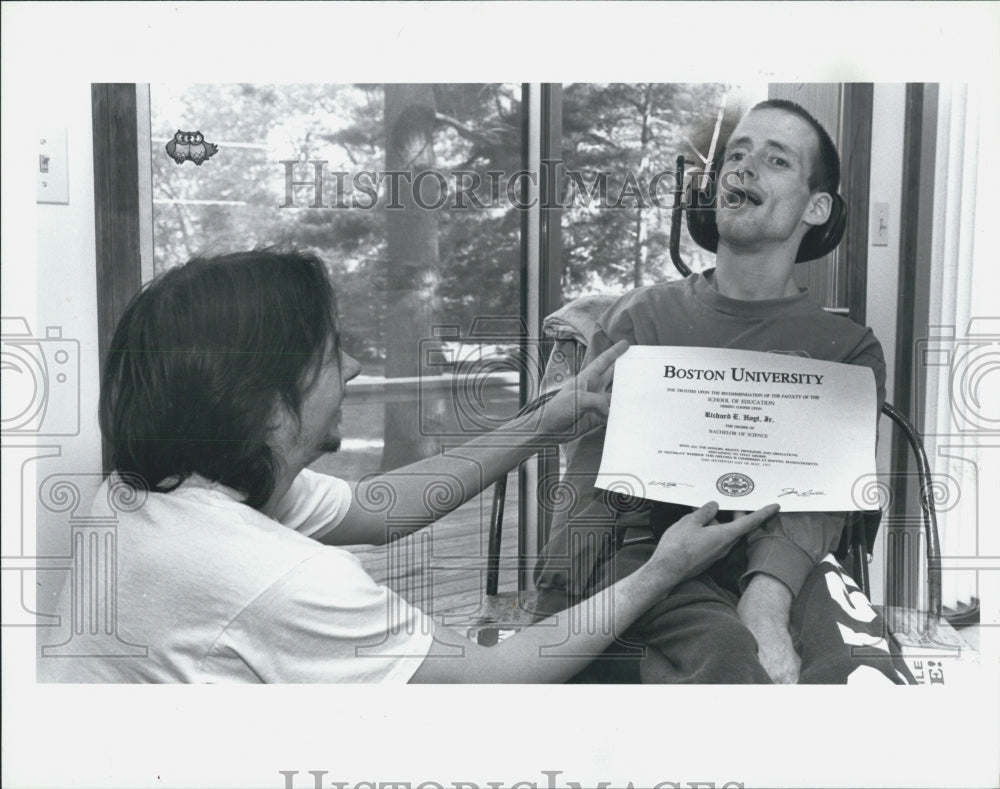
201	358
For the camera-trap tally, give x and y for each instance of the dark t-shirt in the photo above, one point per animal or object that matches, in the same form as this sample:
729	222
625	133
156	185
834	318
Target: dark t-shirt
692	312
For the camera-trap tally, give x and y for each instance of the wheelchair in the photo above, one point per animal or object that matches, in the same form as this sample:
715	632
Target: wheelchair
506	612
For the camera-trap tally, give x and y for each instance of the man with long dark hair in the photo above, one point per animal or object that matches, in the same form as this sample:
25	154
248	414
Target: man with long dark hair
223	382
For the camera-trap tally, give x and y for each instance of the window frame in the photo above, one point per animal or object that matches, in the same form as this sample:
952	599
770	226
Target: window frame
124	222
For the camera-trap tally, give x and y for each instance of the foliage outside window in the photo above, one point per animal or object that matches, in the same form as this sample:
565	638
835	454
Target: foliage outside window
633	133
401	269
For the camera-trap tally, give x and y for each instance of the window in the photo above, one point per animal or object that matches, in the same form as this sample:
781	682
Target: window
422	199
420	259
620	143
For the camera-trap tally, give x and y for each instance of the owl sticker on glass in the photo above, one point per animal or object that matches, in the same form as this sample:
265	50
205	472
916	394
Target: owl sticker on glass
190	146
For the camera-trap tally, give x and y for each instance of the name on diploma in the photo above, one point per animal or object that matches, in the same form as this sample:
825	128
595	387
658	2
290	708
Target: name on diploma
745	428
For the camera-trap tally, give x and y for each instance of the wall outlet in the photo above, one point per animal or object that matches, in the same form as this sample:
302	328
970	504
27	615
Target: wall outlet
52	172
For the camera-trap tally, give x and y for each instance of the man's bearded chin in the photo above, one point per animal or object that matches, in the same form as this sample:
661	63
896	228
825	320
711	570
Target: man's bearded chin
331	445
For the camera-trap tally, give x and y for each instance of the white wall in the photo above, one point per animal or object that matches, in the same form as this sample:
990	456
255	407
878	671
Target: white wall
983	304
66	266
885	186
49	278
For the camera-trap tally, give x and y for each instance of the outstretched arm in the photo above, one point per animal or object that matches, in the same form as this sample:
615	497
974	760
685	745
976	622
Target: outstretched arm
464	471
779	557
765	609
553	650
782	554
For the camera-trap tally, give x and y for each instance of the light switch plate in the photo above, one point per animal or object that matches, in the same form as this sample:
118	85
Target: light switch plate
53	167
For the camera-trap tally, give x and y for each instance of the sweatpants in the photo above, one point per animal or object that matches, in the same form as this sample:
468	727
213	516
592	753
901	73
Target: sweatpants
694	635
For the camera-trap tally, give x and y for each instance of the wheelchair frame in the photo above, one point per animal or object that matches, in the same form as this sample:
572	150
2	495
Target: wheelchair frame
858	540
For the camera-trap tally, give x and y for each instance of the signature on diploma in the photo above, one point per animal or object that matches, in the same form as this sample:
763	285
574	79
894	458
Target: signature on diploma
794	492
656	483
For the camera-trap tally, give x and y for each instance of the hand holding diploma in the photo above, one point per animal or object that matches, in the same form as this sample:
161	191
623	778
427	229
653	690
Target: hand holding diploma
582	403
697	541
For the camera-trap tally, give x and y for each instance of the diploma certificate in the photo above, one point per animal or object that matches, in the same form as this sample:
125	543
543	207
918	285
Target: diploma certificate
743	428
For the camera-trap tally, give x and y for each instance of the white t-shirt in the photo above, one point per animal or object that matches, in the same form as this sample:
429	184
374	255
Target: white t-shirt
218	592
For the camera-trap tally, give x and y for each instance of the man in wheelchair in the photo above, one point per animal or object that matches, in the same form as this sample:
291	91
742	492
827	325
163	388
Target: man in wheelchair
777	608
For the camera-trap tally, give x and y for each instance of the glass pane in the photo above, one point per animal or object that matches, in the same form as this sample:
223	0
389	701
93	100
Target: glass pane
616	235
421	260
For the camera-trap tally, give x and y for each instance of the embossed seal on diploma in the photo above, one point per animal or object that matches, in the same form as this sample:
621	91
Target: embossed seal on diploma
734	484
